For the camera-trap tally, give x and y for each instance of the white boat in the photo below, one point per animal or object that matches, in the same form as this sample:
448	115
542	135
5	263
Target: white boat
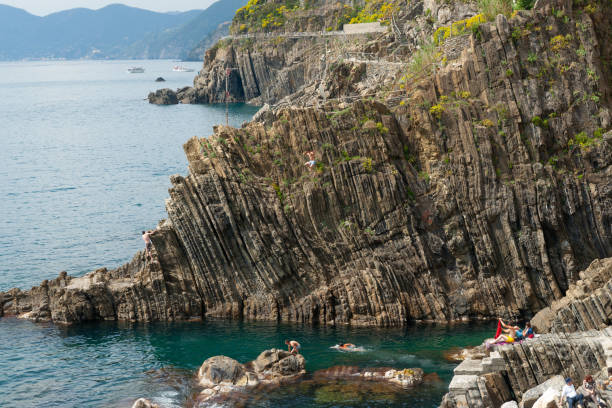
136	70
180	68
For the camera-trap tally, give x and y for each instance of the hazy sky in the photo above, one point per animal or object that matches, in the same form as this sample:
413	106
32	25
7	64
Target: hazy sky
43	7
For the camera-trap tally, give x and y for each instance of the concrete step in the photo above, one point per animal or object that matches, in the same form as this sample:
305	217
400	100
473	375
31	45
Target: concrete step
469	367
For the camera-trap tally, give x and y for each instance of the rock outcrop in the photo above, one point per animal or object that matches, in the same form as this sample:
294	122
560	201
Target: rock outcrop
587	304
221	375
164	96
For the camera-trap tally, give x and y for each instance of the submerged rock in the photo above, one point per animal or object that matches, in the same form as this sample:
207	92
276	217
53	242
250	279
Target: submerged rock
160	79
406	377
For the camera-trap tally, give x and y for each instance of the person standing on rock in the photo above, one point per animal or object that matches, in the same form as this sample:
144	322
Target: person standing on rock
569	393
311	160
293	346
146	237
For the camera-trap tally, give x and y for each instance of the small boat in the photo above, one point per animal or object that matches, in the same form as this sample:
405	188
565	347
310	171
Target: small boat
136	70
180	68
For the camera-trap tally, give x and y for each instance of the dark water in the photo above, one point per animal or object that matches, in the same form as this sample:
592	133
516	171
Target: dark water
85	161
110	364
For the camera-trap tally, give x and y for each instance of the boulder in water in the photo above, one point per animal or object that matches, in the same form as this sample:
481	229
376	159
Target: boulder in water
164	96
221	375
222	370
160	79
144	403
278	364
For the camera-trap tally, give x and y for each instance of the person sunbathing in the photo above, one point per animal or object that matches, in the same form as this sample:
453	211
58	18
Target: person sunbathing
509	333
514	331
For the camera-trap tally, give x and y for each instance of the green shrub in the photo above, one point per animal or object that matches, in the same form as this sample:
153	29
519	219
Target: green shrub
410	194
279	192
437	110
367	164
382	129
539	122
525	4
532	57
423	59
491	8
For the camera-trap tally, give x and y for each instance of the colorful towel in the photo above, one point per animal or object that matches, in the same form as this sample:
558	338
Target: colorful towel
499	329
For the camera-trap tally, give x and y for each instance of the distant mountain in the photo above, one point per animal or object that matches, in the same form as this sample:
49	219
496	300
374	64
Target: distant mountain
189	35
112	32
197	52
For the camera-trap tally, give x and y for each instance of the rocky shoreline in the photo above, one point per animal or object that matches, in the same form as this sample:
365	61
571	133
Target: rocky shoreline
476	187
225	381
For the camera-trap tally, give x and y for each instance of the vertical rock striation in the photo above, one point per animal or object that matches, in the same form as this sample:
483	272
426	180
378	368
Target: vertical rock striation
482	194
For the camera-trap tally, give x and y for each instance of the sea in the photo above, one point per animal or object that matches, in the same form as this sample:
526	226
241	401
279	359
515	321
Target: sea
85	162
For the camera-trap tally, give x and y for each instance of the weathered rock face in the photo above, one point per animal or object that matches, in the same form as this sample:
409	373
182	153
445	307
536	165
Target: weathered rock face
586	306
483	194
141	290
164	96
167	96
222	369
532	395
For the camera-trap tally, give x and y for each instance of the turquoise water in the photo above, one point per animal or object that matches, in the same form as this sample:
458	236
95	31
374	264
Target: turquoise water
110	364
84	167
85	162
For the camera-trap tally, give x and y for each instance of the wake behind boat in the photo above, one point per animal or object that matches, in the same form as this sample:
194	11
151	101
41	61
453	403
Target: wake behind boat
136	70
180	68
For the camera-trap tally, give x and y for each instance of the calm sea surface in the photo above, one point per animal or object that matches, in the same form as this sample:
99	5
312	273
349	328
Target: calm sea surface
84	167
85	162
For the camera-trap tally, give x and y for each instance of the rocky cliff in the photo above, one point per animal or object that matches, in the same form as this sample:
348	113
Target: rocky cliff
478	188
587	304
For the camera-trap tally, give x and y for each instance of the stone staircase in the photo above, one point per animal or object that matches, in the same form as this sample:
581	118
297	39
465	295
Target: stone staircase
510	370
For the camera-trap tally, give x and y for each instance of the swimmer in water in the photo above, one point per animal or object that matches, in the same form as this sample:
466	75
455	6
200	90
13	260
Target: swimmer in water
347	346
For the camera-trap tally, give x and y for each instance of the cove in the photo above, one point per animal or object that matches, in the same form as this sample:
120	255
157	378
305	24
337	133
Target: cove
111	364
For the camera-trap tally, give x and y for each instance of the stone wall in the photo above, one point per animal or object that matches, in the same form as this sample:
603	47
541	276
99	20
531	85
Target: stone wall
364	28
